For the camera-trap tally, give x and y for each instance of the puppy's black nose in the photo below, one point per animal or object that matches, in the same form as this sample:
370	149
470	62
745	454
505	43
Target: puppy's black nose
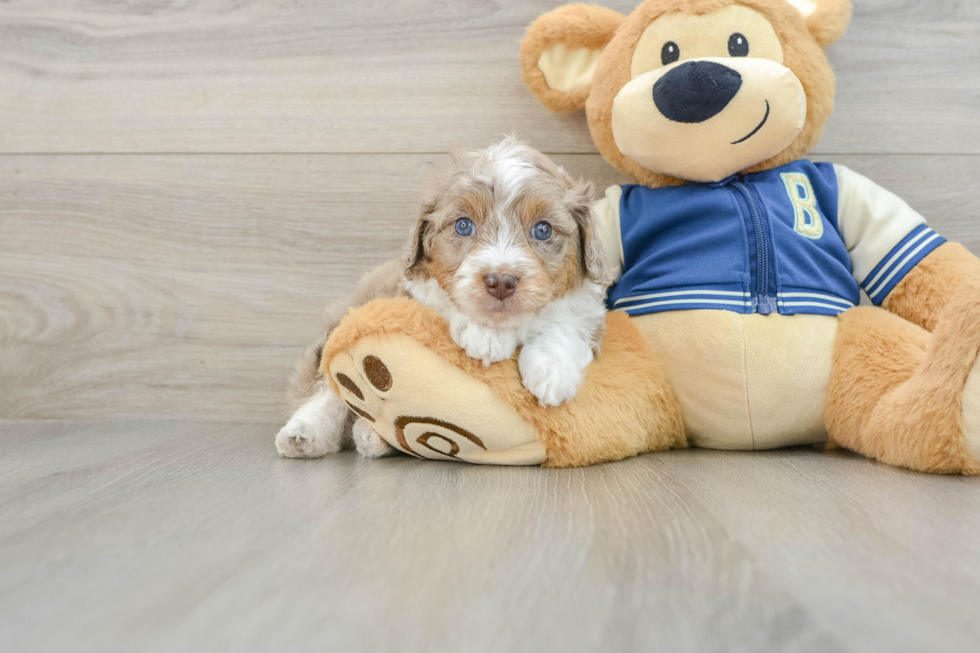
696	91
501	286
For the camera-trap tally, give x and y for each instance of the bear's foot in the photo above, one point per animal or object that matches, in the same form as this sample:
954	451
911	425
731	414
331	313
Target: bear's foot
394	363
421	405
906	397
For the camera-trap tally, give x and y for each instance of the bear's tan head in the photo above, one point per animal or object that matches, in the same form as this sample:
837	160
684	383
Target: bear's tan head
694	90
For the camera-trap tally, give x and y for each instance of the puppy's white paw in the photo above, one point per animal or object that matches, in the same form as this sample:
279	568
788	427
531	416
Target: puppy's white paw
483	343
551	375
369	444
300	439
316	429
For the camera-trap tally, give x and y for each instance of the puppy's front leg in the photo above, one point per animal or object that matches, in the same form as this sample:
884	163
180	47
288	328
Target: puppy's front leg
316	429
488	344
552	369
559	345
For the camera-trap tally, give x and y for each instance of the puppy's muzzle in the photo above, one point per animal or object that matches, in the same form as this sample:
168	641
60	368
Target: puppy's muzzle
500	286
696	91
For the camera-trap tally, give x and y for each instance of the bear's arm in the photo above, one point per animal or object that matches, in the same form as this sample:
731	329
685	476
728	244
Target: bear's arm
903	265
924	293
608	231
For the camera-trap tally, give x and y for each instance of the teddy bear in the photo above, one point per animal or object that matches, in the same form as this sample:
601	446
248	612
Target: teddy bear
735	320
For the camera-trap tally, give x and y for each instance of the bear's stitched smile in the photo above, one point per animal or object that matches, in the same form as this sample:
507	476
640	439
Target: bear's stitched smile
756	130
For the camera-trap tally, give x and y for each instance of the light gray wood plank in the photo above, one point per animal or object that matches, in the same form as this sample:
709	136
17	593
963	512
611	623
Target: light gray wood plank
185	286
340	76
188	536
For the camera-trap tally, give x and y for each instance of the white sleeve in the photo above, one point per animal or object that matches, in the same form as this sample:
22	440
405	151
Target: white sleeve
606	212
885	237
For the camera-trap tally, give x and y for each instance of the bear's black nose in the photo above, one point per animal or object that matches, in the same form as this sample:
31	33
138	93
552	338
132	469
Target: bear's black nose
696	91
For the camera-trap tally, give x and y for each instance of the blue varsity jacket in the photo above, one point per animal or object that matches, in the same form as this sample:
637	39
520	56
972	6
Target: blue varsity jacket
783	241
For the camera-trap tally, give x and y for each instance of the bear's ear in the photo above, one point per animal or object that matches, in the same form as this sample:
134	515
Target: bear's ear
827	20
560	51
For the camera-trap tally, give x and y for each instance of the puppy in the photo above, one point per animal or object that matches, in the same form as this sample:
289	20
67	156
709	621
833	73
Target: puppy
504	250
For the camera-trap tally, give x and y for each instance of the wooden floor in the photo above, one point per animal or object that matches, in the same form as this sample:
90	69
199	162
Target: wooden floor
184	536
185	183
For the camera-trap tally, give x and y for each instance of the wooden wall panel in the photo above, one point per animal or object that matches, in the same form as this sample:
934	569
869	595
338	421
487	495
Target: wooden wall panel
183	286
184	185
372	76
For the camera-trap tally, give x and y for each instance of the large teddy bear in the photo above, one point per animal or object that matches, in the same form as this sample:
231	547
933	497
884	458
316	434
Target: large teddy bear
739	262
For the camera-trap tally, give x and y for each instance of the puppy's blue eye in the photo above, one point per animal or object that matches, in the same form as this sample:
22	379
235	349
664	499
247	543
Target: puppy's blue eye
465	227
541	231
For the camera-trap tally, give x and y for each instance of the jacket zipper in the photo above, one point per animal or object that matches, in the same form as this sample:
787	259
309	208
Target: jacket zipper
763	303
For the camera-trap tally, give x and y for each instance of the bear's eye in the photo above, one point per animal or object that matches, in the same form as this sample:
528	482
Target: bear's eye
738	45
670	53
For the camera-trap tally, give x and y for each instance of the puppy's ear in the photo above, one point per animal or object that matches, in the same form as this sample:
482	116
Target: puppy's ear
418	250
826	20
560	51
593	256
